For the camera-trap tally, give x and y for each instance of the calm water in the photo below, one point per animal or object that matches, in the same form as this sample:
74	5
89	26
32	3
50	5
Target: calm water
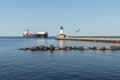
57	65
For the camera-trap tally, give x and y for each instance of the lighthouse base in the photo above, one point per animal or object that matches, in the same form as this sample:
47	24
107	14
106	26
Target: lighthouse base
61	36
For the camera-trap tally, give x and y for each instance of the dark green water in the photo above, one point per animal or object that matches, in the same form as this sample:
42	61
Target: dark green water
57	65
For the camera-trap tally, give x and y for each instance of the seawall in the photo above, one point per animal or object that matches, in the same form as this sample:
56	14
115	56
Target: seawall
108	40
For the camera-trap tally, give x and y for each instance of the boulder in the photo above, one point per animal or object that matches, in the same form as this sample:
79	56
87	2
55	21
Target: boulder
83	48
108	48
103	48
75	48
65	48
70	48
23	49
96	48
57	48
41	47
33	48
115	47
52	47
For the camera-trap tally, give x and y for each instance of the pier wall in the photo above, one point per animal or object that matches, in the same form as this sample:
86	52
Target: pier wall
108	40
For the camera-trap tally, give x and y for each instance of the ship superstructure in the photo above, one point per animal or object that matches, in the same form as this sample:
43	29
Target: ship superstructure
41	34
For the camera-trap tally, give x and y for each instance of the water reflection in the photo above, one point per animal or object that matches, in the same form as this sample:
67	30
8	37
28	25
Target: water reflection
27	43
61	42
33	42
41	41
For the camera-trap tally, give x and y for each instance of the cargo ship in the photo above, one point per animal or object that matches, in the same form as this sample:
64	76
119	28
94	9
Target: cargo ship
29	34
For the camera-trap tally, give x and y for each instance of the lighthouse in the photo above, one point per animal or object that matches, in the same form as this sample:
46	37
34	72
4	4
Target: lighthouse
61	30
61	35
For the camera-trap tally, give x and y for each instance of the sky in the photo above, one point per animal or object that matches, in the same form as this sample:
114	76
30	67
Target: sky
92	17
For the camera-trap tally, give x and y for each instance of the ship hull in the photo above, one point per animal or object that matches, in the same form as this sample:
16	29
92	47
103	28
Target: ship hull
42	35
36	36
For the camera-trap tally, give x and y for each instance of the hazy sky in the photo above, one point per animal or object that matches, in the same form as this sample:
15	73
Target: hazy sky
92	17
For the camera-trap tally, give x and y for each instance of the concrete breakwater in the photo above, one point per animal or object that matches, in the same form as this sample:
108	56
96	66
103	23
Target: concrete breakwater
108	40
51	48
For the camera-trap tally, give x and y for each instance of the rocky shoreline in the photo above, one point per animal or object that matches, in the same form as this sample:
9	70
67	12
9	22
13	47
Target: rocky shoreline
51	48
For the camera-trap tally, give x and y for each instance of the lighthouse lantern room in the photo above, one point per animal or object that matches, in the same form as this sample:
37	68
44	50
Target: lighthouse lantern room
61	30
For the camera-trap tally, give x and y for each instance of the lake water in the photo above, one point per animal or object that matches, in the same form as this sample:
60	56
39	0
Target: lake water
57	65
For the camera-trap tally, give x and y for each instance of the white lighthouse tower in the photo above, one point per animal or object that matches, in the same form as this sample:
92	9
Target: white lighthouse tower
61	30
61	35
